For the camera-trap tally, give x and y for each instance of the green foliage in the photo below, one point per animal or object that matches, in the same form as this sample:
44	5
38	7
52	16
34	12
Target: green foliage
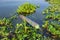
52	17
26	9
54	1
53	28
22	31
5	25
25	32
52	12
5	21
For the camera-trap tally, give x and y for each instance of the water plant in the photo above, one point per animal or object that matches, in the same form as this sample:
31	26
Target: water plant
26	9
23	31
52	17
54	2
5	26
52	27
27	32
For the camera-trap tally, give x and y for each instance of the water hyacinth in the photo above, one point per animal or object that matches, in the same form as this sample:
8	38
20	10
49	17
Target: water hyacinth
52	12
5	22
5	25
52	27
52	17
54	2
26	9
21	32
26	32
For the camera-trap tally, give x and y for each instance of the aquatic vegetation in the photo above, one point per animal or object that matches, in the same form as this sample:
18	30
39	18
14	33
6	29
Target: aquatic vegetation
26	9
22	31
27	32
52	12
54	1
5	26
52	18
5	22
52	27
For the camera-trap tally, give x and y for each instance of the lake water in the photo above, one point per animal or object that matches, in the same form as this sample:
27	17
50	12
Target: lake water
9	7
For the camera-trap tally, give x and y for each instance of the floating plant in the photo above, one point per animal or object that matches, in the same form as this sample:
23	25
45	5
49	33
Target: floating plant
52	28
26	32
5	25
22	31
5	22
52	18
26	9
54	2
